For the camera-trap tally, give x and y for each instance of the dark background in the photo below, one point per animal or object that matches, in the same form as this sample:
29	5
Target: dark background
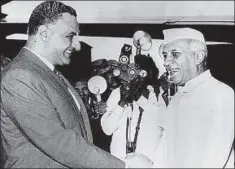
221	57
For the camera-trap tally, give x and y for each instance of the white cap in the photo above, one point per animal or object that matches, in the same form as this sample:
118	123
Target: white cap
173	34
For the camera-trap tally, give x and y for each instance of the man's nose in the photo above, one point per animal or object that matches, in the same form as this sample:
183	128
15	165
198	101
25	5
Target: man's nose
168	60
76	43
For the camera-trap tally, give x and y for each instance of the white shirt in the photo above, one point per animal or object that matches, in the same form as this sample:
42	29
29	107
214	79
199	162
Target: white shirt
114	122
199	124
52	67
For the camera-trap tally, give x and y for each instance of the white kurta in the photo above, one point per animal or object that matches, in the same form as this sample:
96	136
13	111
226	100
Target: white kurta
199	124
115	119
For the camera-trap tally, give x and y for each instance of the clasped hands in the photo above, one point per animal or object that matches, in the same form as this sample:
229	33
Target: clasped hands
136	160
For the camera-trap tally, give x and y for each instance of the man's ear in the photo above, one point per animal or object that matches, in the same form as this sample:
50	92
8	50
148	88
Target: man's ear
43	32
200	56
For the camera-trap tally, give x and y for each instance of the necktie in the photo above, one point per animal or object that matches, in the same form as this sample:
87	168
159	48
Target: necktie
80	118
60	77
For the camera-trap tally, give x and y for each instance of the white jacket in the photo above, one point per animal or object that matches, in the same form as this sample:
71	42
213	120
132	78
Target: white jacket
114	121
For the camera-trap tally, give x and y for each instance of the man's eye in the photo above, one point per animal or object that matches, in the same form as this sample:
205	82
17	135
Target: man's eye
175	54
70	37
164	55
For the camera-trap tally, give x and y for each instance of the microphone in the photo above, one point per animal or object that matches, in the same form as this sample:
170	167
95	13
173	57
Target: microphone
97	85
142	41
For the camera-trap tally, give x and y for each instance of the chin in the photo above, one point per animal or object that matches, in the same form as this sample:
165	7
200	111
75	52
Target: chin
66	62
180	83
176	81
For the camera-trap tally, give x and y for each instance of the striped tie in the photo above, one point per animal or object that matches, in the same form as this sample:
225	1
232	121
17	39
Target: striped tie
79	115
60	77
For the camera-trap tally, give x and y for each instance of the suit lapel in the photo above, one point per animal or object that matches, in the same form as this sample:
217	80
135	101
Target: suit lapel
34	61
82	111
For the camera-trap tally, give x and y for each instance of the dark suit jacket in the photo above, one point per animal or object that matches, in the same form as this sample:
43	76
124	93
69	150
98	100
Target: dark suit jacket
40	123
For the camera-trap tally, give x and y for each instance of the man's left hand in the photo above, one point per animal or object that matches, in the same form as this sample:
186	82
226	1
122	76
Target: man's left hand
100	107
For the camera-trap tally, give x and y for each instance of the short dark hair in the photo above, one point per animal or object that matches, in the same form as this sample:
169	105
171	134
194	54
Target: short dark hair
147	63
47	12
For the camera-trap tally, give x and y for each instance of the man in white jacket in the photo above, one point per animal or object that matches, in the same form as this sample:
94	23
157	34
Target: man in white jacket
114	122
199	122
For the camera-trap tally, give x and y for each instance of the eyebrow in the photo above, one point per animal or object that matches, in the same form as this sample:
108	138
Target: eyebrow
174	50
73	33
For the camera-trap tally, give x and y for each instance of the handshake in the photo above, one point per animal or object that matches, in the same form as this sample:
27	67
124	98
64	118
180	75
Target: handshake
135	160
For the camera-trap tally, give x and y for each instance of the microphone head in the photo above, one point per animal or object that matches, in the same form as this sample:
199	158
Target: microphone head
142	40
97	85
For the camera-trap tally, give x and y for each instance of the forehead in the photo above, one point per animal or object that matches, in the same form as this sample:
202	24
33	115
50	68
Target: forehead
67	23
180	44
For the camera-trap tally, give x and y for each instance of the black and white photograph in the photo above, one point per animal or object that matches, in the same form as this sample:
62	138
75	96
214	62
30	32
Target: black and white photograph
117	84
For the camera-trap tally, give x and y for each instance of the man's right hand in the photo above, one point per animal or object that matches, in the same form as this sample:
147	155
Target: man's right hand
100	107
135	160
124	97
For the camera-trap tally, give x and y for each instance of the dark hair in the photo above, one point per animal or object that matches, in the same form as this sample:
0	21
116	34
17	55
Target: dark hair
47	12
148	64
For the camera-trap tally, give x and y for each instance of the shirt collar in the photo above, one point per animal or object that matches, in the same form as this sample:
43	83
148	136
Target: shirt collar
44	60
191	84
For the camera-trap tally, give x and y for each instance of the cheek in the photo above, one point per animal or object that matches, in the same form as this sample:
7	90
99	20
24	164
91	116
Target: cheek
186	65
61	43
56	44
188	68
183	62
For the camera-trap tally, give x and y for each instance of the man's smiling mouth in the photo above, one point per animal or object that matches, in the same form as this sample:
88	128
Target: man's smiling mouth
173	71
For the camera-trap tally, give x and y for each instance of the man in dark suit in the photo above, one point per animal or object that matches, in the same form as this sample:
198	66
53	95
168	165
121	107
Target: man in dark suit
44	123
